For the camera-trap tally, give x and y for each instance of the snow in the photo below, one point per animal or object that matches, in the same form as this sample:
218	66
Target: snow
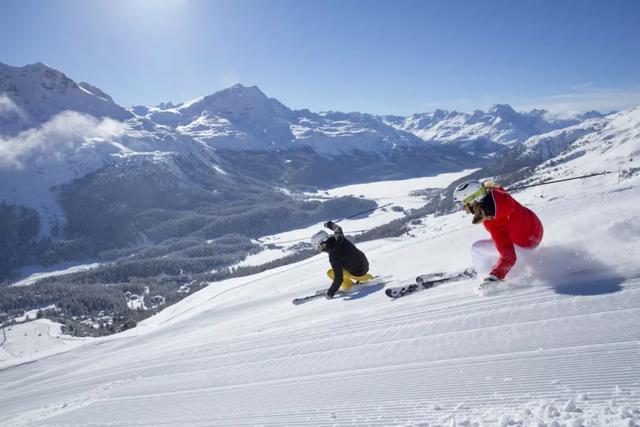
219	170
551	144
244	118
399	192
562	348
35	161
34	340
33	273
41	93
136	302
500	124
32	314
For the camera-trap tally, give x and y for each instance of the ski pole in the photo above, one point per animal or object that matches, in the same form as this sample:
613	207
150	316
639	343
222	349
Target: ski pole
363	212
349	217
559	180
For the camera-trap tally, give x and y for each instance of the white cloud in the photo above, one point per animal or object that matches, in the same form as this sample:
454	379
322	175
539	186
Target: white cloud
583	98
579	98
8	107
63	133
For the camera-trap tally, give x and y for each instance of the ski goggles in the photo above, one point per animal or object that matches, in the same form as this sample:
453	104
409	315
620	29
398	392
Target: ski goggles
474	197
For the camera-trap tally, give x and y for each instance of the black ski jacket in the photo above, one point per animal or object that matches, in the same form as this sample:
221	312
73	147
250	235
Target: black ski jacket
343	255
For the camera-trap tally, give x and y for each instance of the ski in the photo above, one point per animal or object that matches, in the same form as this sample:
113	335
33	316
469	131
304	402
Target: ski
400	291
319	293
426	281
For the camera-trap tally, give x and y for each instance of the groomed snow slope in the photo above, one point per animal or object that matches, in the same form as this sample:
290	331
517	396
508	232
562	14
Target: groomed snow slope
34	340
562	347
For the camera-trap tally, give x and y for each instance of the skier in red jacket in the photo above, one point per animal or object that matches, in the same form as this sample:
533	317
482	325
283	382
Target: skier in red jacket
509	223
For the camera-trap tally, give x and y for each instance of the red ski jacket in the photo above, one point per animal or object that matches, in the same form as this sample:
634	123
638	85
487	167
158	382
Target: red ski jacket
513	224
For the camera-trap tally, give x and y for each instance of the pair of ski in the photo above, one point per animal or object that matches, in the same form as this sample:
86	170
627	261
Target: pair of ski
424	281
427	281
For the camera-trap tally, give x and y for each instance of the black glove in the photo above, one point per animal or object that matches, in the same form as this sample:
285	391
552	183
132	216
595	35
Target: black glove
329	225
329	294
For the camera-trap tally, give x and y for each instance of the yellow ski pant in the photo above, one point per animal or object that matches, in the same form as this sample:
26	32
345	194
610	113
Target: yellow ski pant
348	279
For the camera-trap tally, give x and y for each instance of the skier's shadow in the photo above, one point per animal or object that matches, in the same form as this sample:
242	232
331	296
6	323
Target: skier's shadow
571	271
363	291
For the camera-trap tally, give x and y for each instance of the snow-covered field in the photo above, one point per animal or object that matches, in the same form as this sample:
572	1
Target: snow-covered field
560	348
34	340
34	273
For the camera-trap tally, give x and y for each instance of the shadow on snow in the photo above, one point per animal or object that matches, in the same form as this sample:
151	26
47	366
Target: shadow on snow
363	291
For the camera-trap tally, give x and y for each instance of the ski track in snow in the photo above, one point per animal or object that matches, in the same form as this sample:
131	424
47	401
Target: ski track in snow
562	352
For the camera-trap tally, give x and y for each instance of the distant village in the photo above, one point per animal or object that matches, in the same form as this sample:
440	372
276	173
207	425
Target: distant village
139	306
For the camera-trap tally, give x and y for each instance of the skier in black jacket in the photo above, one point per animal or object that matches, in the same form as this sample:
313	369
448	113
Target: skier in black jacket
347	262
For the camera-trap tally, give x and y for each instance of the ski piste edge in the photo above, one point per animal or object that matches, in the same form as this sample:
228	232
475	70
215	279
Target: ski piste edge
427	281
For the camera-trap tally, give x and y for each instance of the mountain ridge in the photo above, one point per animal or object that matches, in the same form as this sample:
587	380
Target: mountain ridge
243	117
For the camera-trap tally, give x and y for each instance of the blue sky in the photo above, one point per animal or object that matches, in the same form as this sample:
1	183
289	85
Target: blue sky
391	57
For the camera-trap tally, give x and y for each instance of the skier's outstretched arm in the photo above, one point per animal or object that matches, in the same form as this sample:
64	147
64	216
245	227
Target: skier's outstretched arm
337	278
337	231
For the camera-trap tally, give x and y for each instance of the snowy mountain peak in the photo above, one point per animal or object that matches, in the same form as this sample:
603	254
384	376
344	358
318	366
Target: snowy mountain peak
96	91
242	102
245	90
590	115
251	94
38	73
38	92
167	105
502	110
538	113
38	67
500	125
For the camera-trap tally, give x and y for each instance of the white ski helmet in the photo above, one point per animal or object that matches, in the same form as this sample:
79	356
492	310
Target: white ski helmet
469	192
319	238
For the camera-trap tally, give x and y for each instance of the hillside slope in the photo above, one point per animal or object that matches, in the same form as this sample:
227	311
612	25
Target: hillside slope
560	347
